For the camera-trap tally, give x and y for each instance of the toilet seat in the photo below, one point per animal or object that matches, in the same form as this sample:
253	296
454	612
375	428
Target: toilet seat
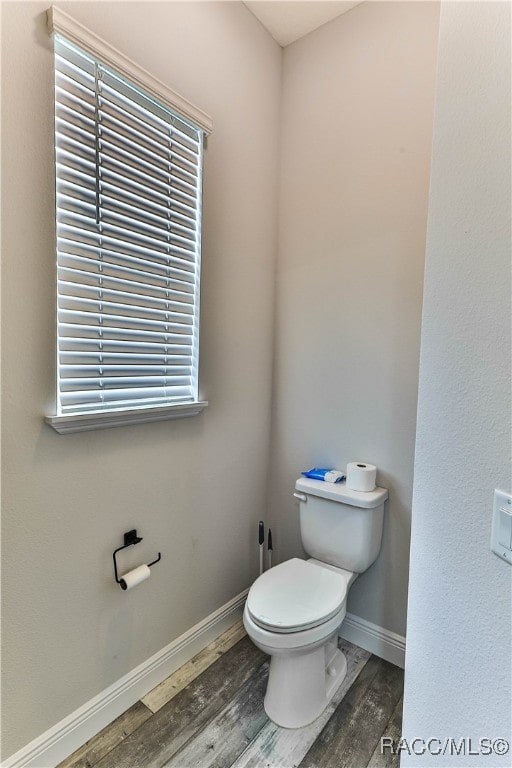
295	596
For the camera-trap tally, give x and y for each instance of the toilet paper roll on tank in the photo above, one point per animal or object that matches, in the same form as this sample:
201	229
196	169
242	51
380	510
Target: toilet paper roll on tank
361	476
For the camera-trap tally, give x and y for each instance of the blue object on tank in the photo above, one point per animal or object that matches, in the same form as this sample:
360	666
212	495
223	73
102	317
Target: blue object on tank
317	473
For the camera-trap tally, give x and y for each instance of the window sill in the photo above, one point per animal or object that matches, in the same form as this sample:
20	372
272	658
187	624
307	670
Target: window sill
84	422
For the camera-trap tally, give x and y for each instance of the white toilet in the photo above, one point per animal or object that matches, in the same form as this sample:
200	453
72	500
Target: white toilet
293	611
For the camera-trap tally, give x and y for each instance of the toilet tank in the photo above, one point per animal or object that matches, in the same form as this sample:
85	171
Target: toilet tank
340	526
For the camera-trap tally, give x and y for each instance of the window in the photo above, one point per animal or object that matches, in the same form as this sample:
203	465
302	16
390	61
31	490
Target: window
128	218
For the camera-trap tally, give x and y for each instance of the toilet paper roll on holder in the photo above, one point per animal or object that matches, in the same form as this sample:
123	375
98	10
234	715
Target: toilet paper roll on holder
130	537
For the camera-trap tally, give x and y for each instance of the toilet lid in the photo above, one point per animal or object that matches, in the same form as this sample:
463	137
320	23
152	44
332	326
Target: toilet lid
296	595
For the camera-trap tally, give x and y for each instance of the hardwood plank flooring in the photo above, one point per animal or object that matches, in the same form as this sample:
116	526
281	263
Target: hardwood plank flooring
209	714
105	741
353	733
188	713
228	734
175	683
393	731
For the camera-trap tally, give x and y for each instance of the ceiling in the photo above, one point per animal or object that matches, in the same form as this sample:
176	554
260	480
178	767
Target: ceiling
287	20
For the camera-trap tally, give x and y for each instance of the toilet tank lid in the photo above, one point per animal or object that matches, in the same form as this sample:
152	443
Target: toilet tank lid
339	492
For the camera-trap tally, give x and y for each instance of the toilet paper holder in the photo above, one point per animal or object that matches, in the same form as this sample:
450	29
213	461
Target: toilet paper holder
130	537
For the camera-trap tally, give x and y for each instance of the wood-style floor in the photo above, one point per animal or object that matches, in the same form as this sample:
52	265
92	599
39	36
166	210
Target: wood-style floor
209	714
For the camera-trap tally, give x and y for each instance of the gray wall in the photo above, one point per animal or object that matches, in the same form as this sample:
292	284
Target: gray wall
194	488
459	643
356	140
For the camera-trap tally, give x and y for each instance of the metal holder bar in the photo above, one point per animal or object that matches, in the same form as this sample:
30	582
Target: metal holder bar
130	538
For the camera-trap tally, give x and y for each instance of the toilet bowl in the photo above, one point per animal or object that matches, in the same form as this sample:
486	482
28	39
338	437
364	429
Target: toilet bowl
294	610
293	613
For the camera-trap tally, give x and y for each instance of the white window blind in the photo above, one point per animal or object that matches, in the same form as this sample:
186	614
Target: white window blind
128	210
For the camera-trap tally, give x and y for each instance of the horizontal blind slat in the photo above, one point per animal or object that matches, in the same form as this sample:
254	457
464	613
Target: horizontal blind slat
129	375
137	103
149	163
134	312
78	347
161	255
76	288
82	359
150	172
115	382
118	274
157	217
72	152
73	56
115	189
116	263
137	230
143	395
91	331
73	89
120	185
124	176
147	153
185	162
107	321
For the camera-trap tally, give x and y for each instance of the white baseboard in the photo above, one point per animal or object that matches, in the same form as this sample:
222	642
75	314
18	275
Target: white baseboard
53	746
382	642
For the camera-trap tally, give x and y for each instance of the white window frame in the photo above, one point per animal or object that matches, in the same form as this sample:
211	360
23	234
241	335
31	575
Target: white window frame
61	23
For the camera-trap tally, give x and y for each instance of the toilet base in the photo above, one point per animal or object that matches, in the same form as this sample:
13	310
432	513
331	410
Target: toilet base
301	685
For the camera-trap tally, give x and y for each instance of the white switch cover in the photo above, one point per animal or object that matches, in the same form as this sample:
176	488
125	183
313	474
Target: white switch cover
501	536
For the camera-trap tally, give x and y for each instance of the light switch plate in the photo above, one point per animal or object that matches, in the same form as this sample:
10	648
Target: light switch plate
501	535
